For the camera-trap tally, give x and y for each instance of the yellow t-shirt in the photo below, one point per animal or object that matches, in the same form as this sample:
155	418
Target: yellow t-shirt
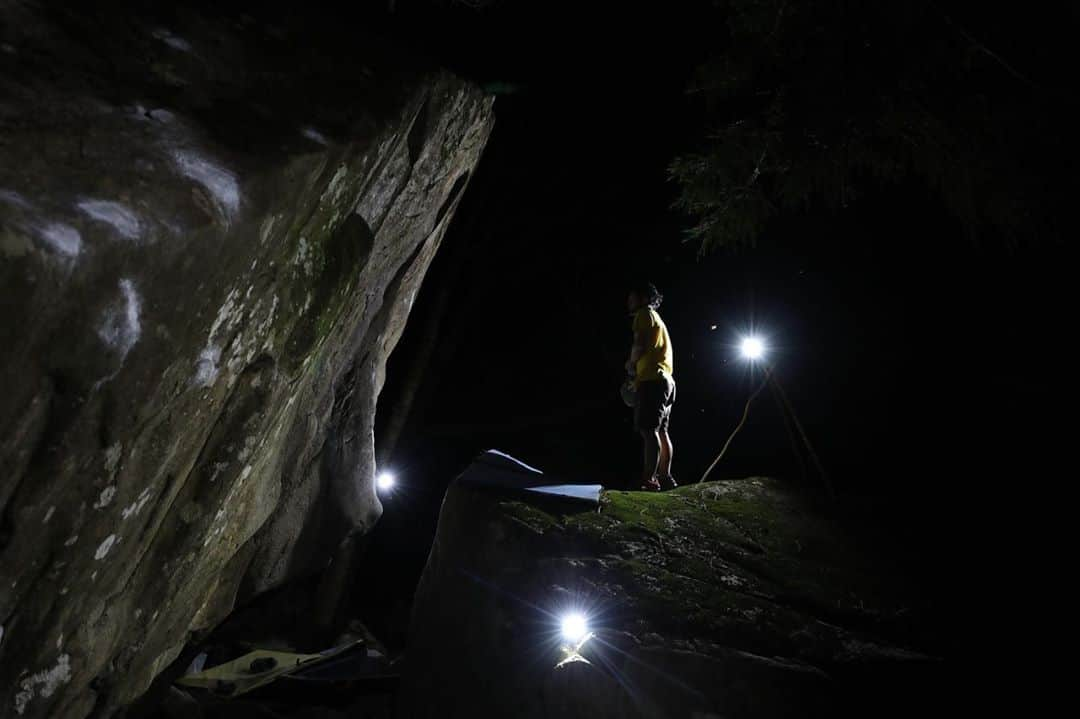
658	356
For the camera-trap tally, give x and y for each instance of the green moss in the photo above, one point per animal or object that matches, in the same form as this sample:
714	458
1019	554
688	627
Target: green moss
336	247
745	564
533	517
743	547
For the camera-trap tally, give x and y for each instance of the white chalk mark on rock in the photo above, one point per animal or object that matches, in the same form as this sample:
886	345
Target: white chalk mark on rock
118	216
120	327
61	238
217	180
337	185
314	135
174	41
266	229
104	547
112	457
106	497
137	505
13	198
219	467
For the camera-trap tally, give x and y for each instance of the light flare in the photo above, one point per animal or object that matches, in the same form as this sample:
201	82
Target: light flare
752	348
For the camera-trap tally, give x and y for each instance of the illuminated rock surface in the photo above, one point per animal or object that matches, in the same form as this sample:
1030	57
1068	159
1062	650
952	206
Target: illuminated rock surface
725	599
211	236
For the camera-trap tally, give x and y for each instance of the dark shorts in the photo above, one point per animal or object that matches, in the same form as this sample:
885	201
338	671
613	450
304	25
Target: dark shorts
653	409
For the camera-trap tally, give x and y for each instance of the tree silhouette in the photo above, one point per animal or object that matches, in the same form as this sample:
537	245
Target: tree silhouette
815	104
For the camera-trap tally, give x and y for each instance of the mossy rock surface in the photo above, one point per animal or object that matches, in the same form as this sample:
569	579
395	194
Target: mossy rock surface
734	598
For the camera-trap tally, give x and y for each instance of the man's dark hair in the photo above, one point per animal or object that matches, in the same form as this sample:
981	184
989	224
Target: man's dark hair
648	290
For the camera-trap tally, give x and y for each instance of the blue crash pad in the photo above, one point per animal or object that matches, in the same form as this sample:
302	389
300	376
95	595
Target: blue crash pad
499	470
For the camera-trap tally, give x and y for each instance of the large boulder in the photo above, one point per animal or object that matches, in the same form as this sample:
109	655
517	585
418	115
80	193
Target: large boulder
211	235
723	599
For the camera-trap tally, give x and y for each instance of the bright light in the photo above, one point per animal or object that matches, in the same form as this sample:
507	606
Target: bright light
574	627
753	348
385	481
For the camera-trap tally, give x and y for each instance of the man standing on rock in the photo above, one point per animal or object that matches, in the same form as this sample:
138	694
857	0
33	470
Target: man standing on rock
652	365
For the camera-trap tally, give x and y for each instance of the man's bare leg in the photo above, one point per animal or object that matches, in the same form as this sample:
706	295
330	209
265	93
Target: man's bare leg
666	451
651	440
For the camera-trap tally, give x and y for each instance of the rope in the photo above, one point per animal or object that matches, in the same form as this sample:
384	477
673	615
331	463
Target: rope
745	414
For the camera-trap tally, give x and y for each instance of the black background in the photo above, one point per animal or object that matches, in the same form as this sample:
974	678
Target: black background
928	368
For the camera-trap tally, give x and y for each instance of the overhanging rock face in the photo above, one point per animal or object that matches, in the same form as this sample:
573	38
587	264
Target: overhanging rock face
207	253
724	599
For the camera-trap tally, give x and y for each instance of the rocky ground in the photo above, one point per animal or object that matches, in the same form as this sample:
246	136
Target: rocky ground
724	599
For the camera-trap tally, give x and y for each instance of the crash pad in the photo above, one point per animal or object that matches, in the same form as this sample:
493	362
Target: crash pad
357	663
256	669
498	470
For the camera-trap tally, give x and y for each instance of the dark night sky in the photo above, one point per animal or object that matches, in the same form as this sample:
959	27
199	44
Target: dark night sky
915	359
927	369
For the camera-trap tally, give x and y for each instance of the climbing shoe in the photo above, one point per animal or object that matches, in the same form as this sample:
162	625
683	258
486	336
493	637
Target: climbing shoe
668	482
651	486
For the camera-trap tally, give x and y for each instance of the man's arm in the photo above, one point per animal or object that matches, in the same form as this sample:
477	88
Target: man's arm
644	340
